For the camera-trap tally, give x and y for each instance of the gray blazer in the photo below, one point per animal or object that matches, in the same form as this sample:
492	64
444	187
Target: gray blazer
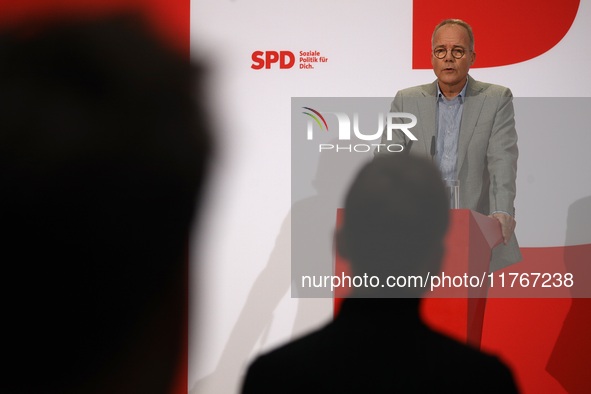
487	149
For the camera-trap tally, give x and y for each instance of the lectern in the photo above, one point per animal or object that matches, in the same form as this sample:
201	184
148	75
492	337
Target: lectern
456	307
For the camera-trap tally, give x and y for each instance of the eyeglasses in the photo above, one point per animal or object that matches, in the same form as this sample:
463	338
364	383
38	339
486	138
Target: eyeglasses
457	53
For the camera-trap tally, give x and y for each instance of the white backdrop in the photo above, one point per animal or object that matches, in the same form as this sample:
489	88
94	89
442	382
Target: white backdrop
240	304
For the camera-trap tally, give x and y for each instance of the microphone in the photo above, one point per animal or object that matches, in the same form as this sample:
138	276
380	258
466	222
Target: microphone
408	146
433	146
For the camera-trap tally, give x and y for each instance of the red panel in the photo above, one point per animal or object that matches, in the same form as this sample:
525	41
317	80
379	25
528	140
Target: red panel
546	341
505	32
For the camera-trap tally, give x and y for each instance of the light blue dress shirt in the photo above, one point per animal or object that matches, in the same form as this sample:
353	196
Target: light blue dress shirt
449	118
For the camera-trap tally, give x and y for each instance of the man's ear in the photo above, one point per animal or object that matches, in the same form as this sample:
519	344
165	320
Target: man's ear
341	245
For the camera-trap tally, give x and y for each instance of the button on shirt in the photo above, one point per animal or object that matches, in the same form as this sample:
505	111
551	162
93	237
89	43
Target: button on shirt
449	116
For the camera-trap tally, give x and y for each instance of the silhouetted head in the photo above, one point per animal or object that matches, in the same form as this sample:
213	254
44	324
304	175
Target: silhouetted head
103	152
396	214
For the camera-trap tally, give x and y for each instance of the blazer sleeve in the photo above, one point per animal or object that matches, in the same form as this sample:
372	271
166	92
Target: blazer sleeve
502	156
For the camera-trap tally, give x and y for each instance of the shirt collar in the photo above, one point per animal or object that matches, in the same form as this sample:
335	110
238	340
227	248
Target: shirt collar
461	95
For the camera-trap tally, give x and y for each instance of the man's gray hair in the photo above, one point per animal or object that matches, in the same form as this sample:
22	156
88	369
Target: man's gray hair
458	22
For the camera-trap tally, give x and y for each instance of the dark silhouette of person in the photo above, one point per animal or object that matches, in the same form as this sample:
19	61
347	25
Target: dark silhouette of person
104	148
396	214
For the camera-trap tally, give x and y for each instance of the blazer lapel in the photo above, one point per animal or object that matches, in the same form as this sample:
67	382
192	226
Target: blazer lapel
427	110
472	107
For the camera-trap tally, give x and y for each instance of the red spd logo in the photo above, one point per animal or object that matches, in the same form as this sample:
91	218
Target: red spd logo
260	59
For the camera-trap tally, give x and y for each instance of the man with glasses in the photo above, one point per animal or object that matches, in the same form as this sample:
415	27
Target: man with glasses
467	128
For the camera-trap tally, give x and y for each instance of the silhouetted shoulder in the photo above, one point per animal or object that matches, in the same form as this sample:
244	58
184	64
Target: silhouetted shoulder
377	360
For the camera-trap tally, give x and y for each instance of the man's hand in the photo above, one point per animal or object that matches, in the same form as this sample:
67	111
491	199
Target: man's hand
507	225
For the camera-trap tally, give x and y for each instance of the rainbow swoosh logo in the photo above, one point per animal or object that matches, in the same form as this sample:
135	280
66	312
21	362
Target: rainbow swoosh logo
316	115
